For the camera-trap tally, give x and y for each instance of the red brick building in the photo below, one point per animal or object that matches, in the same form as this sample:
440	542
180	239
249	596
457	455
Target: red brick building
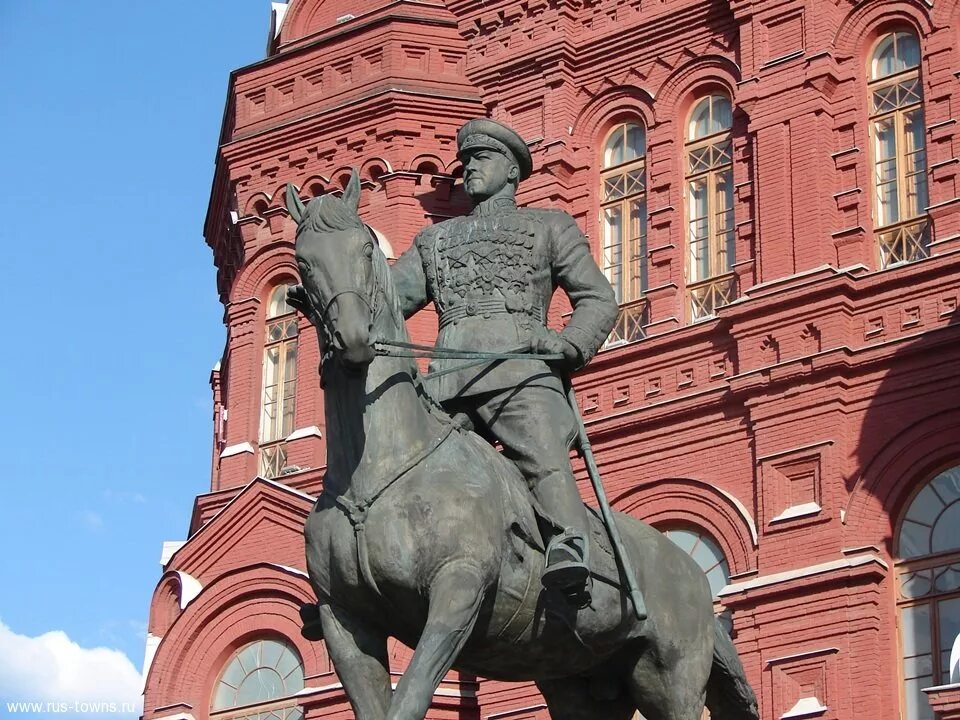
772	187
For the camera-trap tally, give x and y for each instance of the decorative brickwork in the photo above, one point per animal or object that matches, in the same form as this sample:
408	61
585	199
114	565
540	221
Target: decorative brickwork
791	423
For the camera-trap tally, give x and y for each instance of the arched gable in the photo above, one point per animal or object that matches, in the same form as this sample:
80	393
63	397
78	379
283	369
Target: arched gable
866	22
273	262
694	79
610	107
233	536
261	600
697	502
914	454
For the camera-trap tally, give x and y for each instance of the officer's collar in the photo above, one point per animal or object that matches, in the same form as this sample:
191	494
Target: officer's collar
495	205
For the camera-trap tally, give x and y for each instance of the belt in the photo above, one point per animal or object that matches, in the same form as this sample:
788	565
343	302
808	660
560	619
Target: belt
485	307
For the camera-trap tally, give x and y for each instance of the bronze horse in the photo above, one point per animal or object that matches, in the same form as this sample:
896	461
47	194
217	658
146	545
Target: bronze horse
424	532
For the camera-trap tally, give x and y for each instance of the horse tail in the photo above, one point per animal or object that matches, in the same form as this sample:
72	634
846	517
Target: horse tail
729	695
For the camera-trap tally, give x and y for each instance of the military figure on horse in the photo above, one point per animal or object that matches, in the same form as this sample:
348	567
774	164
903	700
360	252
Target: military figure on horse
491	276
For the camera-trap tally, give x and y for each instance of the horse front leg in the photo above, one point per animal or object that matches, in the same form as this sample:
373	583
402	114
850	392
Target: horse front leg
455	597
359	656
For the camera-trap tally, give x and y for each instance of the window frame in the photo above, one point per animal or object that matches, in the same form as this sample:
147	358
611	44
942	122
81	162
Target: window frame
633	283
272	445
717	289
916	228
288	701
904	567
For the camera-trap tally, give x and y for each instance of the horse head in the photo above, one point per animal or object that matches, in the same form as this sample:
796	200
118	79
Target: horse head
335	255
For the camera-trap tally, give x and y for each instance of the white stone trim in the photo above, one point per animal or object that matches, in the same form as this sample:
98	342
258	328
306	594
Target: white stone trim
291	570
190	587
177	716
149	652
941	688
279	10
805	707
744	513
782	577
312	431
169	549
280	485
797	511
230	450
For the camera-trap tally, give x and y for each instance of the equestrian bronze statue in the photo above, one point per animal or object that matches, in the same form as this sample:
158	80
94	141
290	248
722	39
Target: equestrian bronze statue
475	558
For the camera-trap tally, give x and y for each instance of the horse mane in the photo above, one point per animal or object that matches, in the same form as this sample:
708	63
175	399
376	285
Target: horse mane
383	279
328	213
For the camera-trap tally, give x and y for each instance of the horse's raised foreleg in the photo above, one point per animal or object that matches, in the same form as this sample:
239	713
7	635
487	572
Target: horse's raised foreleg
359	655
455	597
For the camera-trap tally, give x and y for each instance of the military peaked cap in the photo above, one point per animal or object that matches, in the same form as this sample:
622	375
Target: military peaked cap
489	134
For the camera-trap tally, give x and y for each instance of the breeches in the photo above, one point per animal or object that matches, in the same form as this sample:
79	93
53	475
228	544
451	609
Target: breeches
536	427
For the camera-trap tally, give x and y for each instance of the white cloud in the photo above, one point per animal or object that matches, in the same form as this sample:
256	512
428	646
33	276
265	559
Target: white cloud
52	668
91	520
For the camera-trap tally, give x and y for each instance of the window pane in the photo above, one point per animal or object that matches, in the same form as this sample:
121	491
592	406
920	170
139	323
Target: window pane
699	229
947	485
916	163
723	222
278	302
289	387
948	612
685	539
914	540
896	53
711	115
915	630
613	153
946	533
638	248
722	113
270	654
613	248
916	700
699	120
926	507
885	138
271	376
636	142
706	553
260	685
947	579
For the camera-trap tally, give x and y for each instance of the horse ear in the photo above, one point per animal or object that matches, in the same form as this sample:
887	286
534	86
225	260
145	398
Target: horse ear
351	193
295	205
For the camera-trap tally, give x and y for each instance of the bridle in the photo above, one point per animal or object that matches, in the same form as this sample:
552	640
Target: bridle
370	296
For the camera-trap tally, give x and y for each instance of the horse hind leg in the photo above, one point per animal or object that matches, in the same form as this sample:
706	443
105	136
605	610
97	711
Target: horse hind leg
670	691
578	699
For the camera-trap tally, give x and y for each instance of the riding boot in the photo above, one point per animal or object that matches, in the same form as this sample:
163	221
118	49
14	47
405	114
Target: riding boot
566	563
566	558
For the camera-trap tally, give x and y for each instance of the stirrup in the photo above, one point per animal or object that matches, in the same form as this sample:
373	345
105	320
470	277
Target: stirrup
566	563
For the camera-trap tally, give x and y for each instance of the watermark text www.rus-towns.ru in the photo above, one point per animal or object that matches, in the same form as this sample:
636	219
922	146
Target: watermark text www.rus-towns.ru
92	707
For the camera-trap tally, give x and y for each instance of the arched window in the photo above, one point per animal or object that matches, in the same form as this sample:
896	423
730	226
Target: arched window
623	217
899	149
706	553
279	400
709	180
261	678
928	574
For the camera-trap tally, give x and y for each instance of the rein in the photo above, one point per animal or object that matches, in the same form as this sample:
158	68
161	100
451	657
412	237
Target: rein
396	348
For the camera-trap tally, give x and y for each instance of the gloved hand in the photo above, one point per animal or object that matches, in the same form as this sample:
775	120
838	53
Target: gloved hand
298	299
549	342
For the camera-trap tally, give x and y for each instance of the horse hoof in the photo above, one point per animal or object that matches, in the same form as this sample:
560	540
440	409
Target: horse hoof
310	617
312	631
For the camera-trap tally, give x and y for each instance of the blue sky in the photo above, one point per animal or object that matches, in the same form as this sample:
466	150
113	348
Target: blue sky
108	128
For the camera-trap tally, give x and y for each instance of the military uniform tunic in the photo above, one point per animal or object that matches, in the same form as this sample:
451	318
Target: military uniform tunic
491	276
